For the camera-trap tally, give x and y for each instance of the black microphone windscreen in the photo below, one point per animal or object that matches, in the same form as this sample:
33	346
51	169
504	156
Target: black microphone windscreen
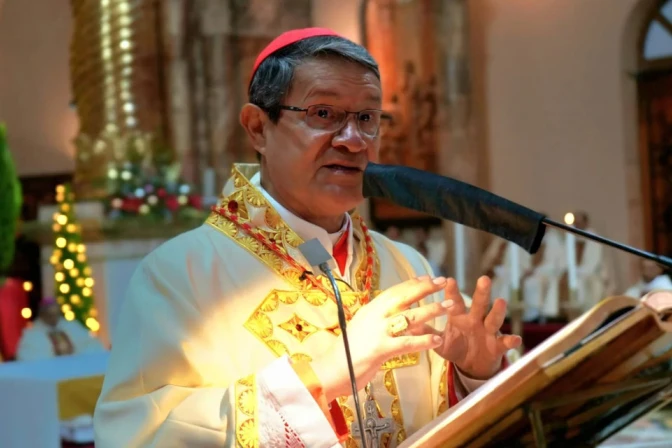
456	201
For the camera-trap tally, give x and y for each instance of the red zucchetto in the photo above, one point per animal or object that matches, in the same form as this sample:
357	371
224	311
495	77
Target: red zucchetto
288	38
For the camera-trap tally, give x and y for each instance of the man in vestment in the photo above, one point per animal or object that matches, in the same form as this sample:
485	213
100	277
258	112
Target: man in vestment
228	337
653	277
496	264
51	335
547	266
593	275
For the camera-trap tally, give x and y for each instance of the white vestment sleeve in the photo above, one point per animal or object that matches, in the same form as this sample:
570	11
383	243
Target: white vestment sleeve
465	385
170	382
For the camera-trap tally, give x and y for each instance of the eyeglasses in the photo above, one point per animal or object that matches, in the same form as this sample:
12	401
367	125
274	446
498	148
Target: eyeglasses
332	118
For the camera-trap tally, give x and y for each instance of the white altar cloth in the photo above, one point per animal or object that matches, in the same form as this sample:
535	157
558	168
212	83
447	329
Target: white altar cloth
29	411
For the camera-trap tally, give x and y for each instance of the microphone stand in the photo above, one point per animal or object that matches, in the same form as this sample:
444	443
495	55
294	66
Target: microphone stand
318	257
324	267
660	259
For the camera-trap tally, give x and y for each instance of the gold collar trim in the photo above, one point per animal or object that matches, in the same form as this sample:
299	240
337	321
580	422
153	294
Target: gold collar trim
252	208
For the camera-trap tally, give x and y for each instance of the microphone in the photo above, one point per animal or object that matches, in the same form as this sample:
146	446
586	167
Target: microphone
460	202
318	257
455	201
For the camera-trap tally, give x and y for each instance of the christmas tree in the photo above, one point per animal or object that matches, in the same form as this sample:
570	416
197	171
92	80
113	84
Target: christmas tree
74	281
10	203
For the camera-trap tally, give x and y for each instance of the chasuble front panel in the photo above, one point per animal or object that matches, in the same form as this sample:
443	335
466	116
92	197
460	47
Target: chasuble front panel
289	315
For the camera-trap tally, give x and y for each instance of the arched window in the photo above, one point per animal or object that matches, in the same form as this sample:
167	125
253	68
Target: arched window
657	39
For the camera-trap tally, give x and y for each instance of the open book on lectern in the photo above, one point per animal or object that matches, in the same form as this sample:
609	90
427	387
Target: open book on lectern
600	373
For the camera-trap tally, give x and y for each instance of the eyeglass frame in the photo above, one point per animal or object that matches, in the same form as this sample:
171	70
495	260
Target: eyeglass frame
383	115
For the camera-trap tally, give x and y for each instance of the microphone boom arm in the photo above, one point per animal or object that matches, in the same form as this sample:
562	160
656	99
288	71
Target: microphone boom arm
664	261
462	203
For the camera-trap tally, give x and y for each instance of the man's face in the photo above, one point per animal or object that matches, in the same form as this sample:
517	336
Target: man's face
650	270
302	166
50	314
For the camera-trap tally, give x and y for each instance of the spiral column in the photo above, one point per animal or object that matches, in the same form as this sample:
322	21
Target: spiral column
117	84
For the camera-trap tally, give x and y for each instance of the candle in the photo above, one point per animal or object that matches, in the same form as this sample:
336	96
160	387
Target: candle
460	256
208	183
514	266
570	249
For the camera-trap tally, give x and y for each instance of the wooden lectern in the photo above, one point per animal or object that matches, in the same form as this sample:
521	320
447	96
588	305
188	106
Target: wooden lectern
594	377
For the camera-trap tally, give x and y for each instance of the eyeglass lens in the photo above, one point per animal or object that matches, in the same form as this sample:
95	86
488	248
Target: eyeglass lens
331	118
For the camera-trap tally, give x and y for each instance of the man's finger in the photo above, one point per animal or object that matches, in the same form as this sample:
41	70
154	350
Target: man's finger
421	314
427	329
452	292
481	298
495	318
508	342
403	295
402	345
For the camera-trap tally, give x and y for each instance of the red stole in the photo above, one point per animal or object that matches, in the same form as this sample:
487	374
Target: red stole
340	252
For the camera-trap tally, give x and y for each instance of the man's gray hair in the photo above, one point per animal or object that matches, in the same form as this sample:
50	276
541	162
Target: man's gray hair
273	78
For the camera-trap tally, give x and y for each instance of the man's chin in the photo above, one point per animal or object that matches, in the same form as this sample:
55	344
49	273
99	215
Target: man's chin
341	199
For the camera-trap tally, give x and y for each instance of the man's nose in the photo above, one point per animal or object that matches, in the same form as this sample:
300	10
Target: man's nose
350	136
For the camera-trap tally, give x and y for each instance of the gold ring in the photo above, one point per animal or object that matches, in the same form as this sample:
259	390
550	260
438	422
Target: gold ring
397	325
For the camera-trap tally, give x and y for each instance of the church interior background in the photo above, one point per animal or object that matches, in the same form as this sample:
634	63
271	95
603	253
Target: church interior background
125	112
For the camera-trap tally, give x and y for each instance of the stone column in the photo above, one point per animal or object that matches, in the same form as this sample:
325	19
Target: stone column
380	16
117	84
458	156
212	45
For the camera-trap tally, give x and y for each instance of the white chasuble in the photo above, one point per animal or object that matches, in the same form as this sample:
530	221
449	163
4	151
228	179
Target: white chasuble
216	329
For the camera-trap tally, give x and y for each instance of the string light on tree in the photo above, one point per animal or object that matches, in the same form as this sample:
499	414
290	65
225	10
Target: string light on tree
73	280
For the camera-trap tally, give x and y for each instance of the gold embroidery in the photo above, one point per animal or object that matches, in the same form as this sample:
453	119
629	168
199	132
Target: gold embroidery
395	408
298	357
277	347
246	196
298	328
443	391
260	324
315	298
271	303
247	434
349	416
286	297
252	209
272	218
390	383
334	329
410	359
401	435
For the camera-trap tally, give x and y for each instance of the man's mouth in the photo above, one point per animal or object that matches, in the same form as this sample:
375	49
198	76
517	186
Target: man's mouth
348	169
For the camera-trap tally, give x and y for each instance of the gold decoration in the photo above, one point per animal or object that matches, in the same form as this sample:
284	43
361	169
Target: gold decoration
410	359
390	384
114	50
299	357
298	328
260	324
283	235
277	347
247	433
443	390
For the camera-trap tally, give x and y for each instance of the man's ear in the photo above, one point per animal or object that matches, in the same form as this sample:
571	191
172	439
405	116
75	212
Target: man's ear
254	121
